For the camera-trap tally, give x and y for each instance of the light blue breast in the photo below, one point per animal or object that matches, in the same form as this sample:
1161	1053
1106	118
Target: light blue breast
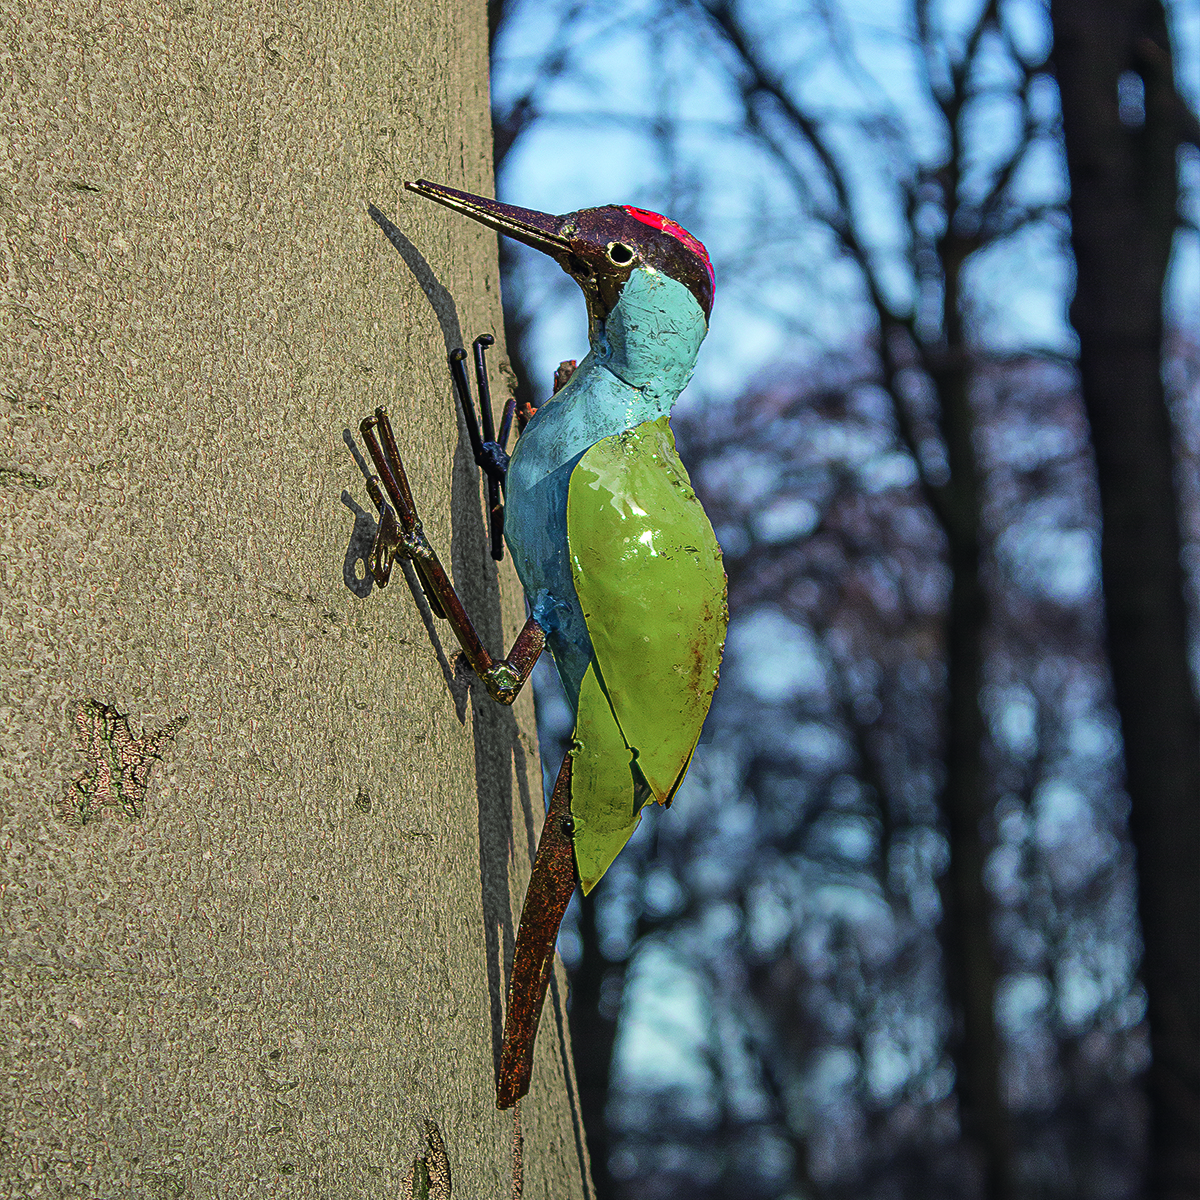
641	359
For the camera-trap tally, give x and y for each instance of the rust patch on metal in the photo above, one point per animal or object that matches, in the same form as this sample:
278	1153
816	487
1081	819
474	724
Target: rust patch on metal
563	373
119	764
550	889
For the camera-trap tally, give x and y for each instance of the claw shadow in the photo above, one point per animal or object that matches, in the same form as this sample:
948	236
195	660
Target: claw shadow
499	754
358	549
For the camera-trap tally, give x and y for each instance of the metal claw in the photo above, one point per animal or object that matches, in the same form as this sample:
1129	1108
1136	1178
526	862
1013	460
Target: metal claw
482	342
399	533
490	455
506	424
459	374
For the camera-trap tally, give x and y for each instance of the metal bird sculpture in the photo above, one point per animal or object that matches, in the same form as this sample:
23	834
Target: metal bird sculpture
621	570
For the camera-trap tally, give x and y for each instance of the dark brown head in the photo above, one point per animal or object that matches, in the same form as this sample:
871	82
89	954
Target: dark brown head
598	247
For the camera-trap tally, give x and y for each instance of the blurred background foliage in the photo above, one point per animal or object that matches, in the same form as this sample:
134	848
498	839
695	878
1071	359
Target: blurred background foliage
886	943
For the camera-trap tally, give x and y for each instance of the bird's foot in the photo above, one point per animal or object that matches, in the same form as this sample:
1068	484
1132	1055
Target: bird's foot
400	534
488	446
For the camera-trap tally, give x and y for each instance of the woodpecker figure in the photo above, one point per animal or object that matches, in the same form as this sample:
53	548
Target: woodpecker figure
621	570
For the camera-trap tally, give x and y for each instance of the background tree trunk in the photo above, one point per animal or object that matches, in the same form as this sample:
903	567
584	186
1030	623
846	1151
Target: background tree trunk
264	845
1123	214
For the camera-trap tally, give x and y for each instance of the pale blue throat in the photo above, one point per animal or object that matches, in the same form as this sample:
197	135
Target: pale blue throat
642	356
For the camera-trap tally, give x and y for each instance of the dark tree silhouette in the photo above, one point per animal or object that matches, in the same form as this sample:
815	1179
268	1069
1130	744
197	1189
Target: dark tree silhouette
1123	123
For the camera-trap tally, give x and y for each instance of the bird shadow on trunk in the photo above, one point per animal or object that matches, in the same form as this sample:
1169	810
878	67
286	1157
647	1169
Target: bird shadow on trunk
499	753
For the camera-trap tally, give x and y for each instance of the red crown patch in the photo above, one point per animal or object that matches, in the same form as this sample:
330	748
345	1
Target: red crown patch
677	231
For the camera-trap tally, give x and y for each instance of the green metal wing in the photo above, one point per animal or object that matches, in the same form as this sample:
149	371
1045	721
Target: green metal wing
647	571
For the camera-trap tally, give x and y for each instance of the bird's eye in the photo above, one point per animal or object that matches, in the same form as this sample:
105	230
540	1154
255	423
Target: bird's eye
620	254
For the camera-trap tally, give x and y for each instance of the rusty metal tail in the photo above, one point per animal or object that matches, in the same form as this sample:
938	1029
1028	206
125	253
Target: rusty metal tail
550	889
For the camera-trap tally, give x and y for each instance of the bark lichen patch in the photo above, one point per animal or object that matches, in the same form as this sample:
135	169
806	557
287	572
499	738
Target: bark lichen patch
429	1176
118	764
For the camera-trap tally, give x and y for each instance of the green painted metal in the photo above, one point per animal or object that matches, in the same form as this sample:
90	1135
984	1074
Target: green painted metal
648	574
604	805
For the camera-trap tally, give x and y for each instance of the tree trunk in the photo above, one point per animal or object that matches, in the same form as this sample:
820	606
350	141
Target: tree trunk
265	845
966	931
593	1034
1123	202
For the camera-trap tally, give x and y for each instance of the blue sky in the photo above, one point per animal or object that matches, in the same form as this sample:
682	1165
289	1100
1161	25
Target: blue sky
784	298
783	295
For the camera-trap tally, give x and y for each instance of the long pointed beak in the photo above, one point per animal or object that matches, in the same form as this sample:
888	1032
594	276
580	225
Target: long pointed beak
537	229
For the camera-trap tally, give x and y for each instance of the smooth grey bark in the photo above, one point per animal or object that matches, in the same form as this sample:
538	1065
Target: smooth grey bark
265	845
